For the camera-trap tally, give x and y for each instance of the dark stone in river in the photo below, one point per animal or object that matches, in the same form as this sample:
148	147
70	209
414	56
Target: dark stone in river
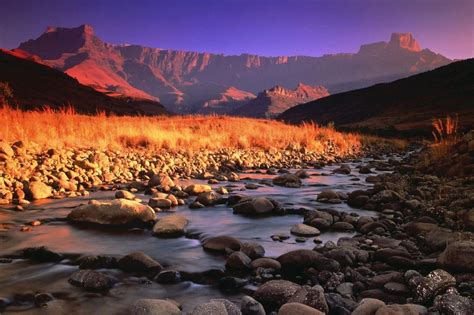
91	280
168	277
96	262
273	294
221	243
296	261
139	262
41	254
311	296
249	306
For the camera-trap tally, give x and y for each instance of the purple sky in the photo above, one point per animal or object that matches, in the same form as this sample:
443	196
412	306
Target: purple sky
274	27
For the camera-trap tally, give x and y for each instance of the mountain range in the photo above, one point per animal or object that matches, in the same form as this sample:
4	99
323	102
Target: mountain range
36	85
403	107
194	82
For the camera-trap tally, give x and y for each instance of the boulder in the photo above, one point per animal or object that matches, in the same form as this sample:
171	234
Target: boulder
458	256
139	262
115	212
154	307
267	263
91	280
368	306
298	260
6	149
253	250
435	283
304	230
217	307
273	294
162	203
209	198
162	180
124	194
405	309
238	261
197	189
249	306
287	180
168	276
256	206
298	309
171	226
311	296
222	243
38	190
452	303
327	194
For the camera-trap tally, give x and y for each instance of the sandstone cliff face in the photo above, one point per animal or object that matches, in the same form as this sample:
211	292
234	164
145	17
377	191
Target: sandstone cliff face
272	102
183	79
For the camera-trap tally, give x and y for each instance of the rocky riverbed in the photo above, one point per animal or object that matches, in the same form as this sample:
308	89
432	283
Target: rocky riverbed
235	232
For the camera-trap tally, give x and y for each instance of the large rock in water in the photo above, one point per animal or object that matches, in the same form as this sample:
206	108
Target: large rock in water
458	256
115	212
297	260
287	180
273	294
171	226
221	243
139	262
154	307
38	190
91	280
298	309
256	206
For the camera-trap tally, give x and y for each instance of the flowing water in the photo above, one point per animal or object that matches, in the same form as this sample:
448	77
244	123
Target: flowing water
22	277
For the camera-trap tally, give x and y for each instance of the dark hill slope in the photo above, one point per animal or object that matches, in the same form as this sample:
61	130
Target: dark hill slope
404	106
36	85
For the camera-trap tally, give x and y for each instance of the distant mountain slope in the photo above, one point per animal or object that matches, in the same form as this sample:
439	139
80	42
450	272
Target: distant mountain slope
177	78
36	85
404	105
225	102
272	102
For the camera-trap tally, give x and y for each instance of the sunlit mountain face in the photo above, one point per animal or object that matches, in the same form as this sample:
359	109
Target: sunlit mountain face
184	81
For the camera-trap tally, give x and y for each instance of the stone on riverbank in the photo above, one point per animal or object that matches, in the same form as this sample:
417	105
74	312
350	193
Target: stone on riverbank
222	243
38	190
116	212
139	262
273	294
91	280
458	256
304	230
171	226
298	309
154	307
287	180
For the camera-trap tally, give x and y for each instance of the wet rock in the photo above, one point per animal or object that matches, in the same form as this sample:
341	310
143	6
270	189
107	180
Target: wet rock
327	194
380	280
214	307
38	190
208	198
197	189
319	219
343	169
96	262
231	284
287	180
162	203
435	283
124	194
342	226
311	296
238	261
222	243
339	304
298	260
266	263
383	296
458	256
230	307
91	280
298	309
368	306
406	309
396	288
452	303
304	230
256	206
273	294
358	198
196	205
171	226
115	212
154	307
168	277
249	306
162	180
139	262
42	299
253	250
41	254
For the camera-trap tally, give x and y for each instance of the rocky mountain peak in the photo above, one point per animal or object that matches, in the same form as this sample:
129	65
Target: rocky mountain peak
404	41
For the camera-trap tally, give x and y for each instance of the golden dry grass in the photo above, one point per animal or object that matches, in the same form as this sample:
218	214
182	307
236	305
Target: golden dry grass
65	128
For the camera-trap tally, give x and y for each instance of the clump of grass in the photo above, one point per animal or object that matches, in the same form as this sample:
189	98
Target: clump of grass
445	130
64	128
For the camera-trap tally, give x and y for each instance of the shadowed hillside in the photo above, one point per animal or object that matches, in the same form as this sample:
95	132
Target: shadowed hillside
406	105
36	85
